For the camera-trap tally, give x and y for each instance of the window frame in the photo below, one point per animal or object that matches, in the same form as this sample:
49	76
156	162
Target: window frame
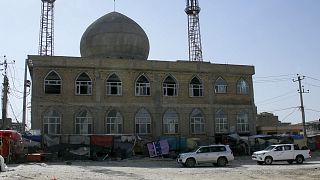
220	88
243	122
114	122
49	83
49	125
170	122
242	87
143	122
83	124
170	87
193	88
111	85
142	88
83	85
197	121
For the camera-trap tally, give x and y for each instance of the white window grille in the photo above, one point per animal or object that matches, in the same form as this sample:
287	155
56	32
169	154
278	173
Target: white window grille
51	123
197	122
83	85
114	85
243	122
143	122
52	83
220	86
114	122
170	122
83	123
195	88
170	87
142	86
242	87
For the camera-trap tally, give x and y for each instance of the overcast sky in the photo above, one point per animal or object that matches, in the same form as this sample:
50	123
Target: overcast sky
279	37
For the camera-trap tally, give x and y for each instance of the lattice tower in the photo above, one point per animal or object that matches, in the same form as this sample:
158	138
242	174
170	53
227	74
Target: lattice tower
46	37
194	37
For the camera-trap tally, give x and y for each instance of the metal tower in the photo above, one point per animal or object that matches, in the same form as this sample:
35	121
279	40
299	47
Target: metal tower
195	49
46	37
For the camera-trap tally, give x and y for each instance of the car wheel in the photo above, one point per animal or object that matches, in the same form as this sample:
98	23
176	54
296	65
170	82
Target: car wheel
259	162
268	160
290	161
299	159
190	162
222	161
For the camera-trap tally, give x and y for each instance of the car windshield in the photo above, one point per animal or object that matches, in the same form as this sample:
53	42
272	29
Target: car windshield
269	148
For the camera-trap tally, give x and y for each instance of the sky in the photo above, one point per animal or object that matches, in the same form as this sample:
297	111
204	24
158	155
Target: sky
279	38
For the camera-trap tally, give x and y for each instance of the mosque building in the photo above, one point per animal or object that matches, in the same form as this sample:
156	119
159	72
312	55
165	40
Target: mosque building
113	88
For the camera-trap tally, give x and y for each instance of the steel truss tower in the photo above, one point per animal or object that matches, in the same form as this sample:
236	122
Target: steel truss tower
195	49
46	37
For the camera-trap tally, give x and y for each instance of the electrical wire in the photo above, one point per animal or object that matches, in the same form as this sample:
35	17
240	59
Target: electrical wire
282	95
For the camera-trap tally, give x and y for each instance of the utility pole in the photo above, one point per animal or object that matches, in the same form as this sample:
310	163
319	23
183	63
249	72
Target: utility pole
301	91
5	92
26	84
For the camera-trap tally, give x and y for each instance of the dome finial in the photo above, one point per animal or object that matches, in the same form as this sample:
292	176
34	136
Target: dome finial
114	5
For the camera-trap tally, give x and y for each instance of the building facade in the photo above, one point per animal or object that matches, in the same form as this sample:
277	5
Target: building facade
112	91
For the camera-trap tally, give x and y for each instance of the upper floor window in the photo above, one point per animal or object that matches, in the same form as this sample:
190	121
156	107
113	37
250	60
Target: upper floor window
222	125
242	87
197	122
143	122
142	86
52	122
83	122
52	83
195	88
170	87
243	122
220	86
114	85
170	122
114	122
83	85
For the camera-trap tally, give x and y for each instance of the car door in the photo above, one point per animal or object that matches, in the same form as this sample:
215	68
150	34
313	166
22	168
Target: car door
278	153
288	152
216	152
203	154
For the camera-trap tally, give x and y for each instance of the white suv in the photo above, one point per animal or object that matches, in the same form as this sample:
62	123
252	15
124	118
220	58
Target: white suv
219	155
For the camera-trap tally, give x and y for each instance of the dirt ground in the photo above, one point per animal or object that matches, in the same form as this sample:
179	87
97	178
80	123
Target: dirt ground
162	168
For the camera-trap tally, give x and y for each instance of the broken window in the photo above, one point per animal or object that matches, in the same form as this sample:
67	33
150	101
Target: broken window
114	85
83	85
169	87
195	88
52	83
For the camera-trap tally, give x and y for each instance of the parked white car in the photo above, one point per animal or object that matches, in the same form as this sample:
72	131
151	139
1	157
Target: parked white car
281	152
219	155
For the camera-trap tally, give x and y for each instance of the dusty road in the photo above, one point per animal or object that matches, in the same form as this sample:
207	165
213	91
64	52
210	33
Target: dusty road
146	168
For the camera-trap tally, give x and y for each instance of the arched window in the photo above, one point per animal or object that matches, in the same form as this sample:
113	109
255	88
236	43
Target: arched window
195	88
170	122
52	83
220	86
143	122
243	122
52	122
114	122
197	122
83	85
222	125
170	87
242	87
114	85
142	86
83	122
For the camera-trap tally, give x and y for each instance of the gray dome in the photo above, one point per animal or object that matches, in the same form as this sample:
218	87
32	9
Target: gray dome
114	35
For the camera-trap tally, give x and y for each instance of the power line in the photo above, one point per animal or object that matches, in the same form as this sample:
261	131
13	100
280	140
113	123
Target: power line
282	95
